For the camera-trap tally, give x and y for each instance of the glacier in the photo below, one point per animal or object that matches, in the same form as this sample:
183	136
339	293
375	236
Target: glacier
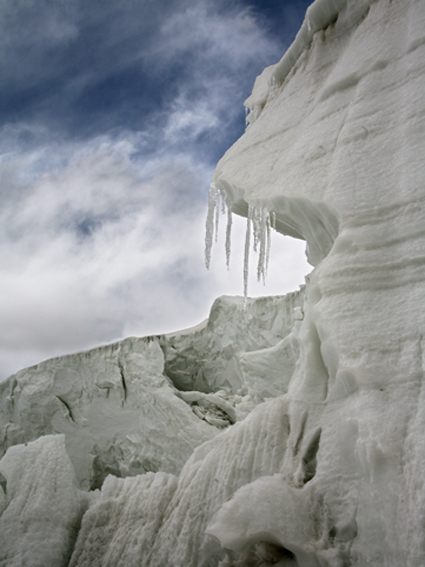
282	431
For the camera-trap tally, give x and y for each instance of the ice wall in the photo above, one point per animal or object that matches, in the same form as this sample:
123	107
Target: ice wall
118	411
41	509
335	149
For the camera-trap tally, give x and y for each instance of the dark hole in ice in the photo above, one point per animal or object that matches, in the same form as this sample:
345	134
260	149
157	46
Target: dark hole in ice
100	471
3	482
271	554
309	460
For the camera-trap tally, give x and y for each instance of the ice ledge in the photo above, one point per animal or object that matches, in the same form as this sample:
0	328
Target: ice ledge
313	221
319	16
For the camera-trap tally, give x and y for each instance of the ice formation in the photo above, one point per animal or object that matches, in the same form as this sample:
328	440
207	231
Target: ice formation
304	415
144	404
41	509
259	223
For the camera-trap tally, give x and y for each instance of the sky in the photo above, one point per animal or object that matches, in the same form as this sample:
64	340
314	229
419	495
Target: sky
113	115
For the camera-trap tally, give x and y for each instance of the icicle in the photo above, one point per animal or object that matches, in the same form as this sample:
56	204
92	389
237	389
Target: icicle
259	220
211	224
246	254
228	236
217	215
269	242
256	226
223	204
262	248
217	204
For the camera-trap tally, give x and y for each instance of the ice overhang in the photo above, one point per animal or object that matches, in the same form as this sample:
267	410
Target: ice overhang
299	217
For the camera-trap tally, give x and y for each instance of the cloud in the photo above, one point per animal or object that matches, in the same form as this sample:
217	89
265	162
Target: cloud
206	29
78	243
117	115
86	68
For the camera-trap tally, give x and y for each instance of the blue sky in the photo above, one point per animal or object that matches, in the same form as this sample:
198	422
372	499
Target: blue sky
112	118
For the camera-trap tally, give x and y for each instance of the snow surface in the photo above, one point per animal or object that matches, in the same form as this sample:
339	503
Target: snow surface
120	527
42	508
336	151
300	419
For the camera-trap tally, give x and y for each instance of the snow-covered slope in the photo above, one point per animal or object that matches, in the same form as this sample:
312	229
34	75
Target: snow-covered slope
331	472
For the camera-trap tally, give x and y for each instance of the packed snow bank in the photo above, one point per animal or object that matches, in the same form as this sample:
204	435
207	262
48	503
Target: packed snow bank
320	15
42	508
246	451
268	511
210	360
119	413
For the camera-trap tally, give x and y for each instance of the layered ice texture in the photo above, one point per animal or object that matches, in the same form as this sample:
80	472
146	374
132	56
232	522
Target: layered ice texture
284	431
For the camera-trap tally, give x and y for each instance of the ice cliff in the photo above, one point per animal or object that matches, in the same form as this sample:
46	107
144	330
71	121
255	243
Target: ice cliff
287	431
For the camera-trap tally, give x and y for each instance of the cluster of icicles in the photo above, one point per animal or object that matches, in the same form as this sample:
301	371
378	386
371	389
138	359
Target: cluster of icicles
259	223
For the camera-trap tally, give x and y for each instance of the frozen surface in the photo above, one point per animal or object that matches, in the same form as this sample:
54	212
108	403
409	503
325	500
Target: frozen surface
120	527
335	148
239	455
119	413
42	509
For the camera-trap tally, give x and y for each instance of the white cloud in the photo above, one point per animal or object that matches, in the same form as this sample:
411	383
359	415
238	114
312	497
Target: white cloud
82	246
204	28
189	120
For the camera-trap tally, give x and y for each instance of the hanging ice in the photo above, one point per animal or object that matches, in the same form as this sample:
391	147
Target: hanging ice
246	254
259	220
213	202
217	201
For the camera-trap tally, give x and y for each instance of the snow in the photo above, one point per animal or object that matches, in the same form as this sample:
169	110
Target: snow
120	527
336	151
285	430
42	508
239	455
267	510
118	411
